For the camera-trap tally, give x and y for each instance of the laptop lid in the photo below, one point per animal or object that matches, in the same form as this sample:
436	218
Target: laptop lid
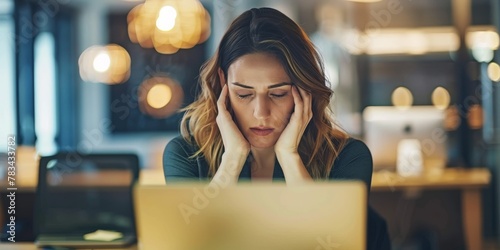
252	216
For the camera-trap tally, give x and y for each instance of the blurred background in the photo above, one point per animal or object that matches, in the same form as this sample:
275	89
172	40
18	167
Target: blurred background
111	76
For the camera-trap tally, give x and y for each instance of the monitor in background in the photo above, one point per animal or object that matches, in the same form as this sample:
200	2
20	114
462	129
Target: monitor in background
385	126
252	216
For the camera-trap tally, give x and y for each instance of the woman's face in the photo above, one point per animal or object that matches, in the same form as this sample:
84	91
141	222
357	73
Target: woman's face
261	98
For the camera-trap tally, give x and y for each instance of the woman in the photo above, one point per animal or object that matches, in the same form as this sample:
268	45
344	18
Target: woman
263	114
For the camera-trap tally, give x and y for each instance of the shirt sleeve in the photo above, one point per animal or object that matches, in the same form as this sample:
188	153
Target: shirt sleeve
354	162
177	162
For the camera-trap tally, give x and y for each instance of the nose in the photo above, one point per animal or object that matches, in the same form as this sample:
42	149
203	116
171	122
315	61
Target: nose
262	109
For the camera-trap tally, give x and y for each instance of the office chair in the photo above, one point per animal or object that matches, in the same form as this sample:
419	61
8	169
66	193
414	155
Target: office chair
79	194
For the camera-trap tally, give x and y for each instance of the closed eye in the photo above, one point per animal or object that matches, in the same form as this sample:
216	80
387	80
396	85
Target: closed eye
244	96
279	95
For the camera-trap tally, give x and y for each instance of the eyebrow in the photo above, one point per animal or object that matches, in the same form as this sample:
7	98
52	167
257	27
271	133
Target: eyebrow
269	87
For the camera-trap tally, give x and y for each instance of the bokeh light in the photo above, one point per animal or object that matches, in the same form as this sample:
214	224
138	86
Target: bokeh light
160	96
441	98
483	39
475	116
166	18
102	62
402	98
494	72
452	118
106	64
482	43
169	25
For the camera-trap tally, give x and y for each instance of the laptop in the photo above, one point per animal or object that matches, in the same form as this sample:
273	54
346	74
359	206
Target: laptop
189	216
86	200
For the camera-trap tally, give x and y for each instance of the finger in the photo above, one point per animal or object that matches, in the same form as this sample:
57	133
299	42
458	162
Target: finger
307	100
221	102
299	105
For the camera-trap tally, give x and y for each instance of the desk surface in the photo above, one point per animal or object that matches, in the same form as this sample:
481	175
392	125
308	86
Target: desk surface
31	246
448	178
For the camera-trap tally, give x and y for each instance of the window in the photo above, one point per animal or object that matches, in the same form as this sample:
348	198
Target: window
7	93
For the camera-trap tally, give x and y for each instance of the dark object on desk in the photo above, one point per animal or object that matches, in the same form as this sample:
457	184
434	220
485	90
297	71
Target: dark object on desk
80	194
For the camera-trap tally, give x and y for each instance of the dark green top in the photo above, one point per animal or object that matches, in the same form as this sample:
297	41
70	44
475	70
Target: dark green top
353	162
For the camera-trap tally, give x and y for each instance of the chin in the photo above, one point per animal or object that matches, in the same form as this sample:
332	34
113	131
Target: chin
263	142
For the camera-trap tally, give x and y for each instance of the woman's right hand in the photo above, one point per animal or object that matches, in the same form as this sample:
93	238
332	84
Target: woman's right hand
235	144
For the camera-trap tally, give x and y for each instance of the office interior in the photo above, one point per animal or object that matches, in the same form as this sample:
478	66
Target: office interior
92	76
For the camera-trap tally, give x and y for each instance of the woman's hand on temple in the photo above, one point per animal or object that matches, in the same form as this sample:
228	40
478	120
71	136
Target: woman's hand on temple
286	148
233	139
235	145
289	140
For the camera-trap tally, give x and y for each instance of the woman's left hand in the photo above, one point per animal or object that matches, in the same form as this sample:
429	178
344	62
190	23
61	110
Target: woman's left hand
289	140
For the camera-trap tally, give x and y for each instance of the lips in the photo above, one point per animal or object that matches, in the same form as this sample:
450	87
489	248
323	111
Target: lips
262	131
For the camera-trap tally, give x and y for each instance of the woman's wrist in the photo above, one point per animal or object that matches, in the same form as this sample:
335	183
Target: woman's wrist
230	168
234	160
293	168
286	155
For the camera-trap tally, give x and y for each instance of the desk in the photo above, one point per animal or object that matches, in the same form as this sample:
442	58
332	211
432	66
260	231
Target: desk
468	181
31	246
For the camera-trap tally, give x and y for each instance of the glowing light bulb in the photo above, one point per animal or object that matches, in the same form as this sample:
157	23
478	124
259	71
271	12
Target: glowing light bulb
102	62
159	96
166	18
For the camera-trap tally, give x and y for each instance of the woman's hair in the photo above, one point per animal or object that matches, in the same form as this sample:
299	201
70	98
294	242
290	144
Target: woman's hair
269	31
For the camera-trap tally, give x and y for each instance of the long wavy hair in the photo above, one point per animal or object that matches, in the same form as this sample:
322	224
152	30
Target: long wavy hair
267	30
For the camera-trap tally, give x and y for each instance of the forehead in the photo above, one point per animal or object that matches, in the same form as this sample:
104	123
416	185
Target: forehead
257	69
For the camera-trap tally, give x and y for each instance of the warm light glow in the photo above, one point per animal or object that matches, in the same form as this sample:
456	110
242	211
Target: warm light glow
441	98
452	119
101	62
402	98
410	41
417	43
482	43
475	116
169	25
107	64
382	41
483	39
159	96
132	18
494	72
166	18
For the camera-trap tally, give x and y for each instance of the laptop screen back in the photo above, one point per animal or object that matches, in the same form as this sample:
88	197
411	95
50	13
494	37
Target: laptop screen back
252	216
